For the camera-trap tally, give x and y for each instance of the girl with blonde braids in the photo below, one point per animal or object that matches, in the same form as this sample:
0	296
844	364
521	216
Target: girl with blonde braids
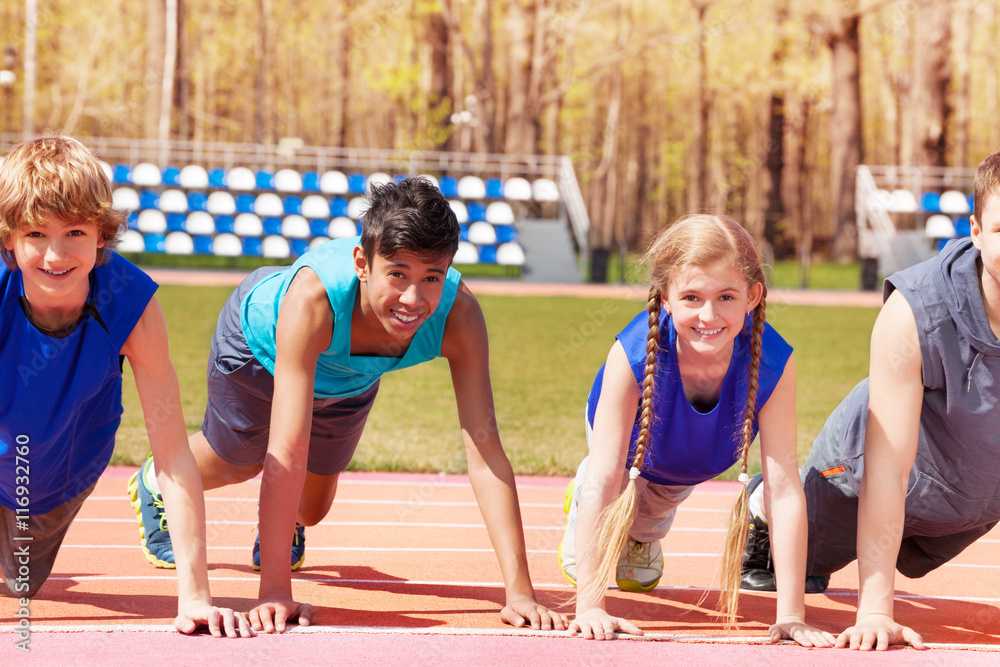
683	392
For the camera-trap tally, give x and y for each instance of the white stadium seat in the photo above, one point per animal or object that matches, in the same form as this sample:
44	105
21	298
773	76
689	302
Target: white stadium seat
125	199
378	178
510	254
544	189
288	180
131	241
269	205
517	189
356	207
461	212
248	224
178	243
316	207
499	213
954	202
428	177
146	174
939	227
471	187
276	246
295	227
152	221
902	201
193	177
105	167
467	254
342	228
200	223
173	201
221	202
227	245
317	242
241	178
333	183
482	233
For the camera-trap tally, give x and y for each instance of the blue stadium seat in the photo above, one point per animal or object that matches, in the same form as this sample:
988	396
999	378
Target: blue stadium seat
488	254
494	188
310	181
476	211
252	246
272	225
930	202
224	224
448	186
505	233
155	242
399	178
963	226
299	247
356	183
217	178
197	201
338	207
463	234
122	174
176	222
318	227
172	176
149	199
202	245
265	180
245	203
293	205
972	202
132	222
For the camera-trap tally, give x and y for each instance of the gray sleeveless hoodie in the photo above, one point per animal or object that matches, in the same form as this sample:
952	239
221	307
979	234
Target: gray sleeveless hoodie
955	480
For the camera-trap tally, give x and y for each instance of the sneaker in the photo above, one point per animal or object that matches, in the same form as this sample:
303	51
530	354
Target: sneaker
298	548
567	548
640	566
758	569
153	532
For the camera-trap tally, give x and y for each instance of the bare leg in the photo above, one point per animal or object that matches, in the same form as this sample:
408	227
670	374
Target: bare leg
318	492
214	471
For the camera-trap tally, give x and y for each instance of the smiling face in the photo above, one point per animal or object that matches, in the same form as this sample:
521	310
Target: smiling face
708	305
401	291
55	259
986	237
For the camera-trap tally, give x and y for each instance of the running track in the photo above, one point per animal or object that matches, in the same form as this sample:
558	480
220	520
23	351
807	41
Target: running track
402	572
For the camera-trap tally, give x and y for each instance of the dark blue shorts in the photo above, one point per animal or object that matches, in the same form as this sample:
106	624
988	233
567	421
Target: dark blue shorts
240	391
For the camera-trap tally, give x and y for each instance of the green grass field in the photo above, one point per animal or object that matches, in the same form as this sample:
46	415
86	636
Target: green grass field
544	353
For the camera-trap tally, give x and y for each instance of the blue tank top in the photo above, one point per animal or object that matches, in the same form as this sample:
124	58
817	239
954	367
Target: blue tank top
687	447
338	374
62	396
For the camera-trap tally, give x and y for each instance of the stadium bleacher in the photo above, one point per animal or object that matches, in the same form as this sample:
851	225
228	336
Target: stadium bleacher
211	211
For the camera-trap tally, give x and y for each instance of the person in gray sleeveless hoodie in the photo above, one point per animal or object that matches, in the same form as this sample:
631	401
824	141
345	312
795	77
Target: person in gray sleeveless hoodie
906	471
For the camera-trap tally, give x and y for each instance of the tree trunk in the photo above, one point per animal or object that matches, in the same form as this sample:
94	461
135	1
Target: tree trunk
439	102
774	215
845	136
486	83
261	132
167	85
519	23
928	101
698	186
153	71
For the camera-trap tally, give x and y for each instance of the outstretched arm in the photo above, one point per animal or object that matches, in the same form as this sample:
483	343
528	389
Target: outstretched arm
895	399
613	421
465	346
785	507
178	476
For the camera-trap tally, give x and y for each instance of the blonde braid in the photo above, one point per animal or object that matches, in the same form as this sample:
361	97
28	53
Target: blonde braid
616	519
739	518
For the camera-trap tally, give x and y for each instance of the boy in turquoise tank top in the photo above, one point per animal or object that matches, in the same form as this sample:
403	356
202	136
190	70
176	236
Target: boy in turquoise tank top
294	369
71	311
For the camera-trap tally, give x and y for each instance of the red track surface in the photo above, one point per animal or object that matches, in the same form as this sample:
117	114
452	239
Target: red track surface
402	557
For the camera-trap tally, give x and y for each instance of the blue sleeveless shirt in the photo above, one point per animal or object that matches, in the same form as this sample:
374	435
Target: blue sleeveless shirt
338	374
687	447
62	396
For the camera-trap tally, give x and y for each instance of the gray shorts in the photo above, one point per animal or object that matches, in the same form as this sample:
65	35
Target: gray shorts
26	564
240	391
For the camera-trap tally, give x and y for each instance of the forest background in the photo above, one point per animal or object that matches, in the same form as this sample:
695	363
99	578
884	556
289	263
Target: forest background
756	107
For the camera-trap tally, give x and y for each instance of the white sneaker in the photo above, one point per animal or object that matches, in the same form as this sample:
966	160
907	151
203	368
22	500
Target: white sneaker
640	566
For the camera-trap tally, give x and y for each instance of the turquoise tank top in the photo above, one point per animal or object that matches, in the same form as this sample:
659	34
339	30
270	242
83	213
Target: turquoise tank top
338	374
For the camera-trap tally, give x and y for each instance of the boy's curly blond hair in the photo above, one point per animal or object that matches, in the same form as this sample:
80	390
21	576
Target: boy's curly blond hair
59	177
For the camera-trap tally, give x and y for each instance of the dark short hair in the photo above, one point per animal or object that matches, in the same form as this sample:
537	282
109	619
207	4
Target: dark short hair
411	216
